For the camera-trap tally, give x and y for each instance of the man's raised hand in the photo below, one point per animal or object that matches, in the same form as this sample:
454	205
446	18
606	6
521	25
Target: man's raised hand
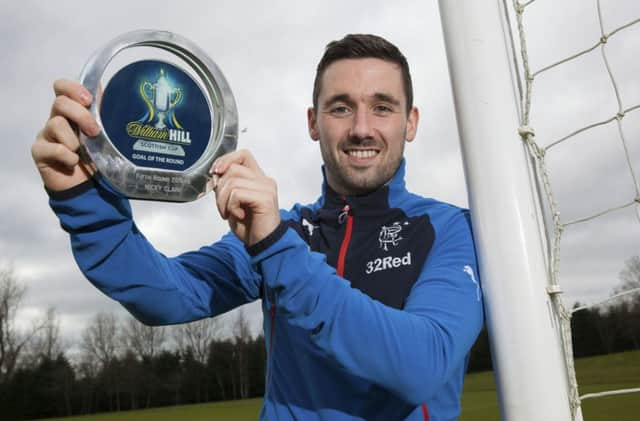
245	196
55	150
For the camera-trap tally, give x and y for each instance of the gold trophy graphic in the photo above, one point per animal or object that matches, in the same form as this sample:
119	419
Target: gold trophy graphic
161	97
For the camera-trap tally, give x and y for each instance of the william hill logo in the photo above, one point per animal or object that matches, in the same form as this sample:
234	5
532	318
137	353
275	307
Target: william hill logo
160	122
148	132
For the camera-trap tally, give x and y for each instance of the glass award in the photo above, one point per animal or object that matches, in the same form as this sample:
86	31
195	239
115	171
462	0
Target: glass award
165	111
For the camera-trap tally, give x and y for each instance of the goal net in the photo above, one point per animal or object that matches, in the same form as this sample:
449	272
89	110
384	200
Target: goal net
548	106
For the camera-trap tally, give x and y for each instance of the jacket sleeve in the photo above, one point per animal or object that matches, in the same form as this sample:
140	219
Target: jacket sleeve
411	352
116	257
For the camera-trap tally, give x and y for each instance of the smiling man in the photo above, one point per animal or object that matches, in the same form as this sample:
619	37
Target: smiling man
362	118
369	295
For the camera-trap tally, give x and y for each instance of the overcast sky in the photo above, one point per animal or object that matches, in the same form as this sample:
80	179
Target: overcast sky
268	52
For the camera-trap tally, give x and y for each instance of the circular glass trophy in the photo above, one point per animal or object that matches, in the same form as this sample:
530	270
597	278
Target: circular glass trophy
166	113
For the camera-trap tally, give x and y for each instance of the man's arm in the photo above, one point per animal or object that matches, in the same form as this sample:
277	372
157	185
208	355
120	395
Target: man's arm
412	352
116	257
109	248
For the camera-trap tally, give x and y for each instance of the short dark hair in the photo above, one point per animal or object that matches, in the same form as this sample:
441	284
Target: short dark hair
363	46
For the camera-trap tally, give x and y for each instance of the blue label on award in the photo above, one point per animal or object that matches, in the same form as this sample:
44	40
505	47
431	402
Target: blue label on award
156	116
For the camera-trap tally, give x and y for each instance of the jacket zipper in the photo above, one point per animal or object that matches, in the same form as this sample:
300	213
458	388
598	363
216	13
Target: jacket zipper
345	215
425	412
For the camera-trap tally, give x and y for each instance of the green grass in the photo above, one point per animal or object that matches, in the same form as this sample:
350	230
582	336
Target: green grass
228	411
479	400
595	374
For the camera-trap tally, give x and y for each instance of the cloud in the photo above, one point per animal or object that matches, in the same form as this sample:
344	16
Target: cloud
268	53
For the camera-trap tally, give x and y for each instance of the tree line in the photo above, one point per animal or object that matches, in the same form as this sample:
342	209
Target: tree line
611	327
123	364
120	364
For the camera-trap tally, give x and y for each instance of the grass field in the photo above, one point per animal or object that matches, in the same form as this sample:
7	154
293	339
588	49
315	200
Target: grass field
616	371
479	401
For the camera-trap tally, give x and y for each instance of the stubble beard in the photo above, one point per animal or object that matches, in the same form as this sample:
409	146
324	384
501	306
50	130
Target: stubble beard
353	182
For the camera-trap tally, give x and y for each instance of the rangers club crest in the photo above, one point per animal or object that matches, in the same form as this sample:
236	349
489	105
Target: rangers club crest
390	235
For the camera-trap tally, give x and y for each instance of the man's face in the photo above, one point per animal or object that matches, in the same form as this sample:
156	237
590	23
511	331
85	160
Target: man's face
361	123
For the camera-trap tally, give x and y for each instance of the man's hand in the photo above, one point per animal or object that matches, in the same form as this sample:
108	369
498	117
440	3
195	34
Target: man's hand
55	150
245	196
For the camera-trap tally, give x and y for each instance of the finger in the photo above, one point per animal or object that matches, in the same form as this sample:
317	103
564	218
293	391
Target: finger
225	190
241	200
76	113
59	130
229	179
47	153
74	90
227	184
236	170
242	157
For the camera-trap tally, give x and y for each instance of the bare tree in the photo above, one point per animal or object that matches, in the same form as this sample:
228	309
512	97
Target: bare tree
143	340
196	337
13	341
242	339
630	282
11	295
46	342
87	369
629	275
100	344
100	338
241	328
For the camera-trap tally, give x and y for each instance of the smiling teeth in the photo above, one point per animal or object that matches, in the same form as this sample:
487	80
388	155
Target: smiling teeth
362	154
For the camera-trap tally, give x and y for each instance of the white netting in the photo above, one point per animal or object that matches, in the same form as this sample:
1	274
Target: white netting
595	123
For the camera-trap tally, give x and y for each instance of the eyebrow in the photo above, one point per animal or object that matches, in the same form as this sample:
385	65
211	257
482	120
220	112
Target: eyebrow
337	98
386	98
378	96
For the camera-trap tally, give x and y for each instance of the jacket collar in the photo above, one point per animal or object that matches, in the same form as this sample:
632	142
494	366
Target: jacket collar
377	199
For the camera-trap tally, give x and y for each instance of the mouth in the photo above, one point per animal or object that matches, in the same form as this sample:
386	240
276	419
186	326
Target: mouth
362	155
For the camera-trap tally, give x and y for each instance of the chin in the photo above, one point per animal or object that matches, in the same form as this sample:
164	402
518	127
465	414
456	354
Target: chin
361	187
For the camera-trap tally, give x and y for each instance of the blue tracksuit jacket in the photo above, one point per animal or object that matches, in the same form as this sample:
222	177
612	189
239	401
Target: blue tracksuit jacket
370	303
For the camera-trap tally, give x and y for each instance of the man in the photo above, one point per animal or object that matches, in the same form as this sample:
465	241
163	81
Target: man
369	296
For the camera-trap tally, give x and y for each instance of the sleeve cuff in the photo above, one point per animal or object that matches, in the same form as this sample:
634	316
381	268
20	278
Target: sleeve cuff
268	241
71	192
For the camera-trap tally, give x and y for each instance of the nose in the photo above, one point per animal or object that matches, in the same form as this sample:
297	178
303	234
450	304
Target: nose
361	126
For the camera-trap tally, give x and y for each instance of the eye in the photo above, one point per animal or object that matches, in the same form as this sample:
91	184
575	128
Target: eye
340	110
382	109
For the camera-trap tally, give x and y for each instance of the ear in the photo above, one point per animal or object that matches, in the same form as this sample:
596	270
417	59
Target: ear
412	123
312	124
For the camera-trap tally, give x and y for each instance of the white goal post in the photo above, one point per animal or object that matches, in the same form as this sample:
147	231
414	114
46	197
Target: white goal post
529	364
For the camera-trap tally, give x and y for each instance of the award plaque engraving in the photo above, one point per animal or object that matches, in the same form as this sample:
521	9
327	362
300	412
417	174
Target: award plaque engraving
166	113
